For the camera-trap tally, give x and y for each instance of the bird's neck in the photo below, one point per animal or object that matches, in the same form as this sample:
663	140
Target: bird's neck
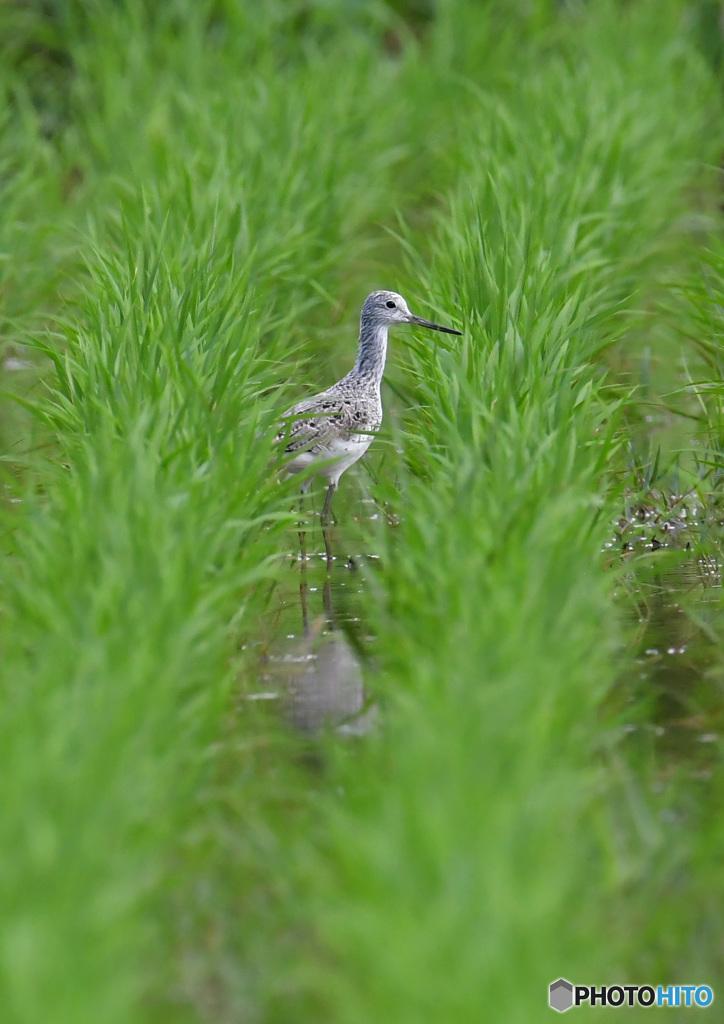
372	352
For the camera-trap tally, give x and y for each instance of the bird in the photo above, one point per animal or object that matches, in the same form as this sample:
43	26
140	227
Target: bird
333	429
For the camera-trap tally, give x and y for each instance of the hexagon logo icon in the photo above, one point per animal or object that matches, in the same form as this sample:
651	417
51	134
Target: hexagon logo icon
560	995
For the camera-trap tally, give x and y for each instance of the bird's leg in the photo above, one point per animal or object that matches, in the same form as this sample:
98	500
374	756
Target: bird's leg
303	600
327	591
328	503
302	531
327	599
303	580
328	549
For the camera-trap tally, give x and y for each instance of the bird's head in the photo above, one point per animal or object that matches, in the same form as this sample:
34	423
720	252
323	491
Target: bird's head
390	308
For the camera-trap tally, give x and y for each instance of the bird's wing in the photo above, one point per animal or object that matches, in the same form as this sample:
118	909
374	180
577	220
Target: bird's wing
311	422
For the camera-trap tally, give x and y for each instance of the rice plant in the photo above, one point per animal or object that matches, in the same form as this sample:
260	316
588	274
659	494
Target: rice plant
220	186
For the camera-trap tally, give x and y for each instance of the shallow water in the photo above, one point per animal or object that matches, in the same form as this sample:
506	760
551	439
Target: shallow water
672	602
319	645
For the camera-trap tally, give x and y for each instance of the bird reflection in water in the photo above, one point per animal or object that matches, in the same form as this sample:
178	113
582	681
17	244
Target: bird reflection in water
325	687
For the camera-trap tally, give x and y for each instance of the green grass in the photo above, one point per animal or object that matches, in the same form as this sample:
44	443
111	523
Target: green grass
197	200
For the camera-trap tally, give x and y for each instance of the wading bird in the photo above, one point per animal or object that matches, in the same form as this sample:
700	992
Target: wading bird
336	427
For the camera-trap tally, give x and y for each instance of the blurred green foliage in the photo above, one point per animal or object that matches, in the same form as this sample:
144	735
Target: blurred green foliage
195	199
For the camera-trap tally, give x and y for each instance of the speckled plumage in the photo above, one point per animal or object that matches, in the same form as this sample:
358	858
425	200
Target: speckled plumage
336	427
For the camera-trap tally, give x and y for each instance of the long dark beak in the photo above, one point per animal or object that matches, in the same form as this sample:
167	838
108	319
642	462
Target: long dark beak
421	322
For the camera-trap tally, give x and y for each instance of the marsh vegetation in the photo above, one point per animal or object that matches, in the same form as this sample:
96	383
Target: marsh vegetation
526	576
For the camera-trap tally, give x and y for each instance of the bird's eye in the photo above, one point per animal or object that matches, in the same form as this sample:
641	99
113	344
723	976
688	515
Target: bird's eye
390	304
